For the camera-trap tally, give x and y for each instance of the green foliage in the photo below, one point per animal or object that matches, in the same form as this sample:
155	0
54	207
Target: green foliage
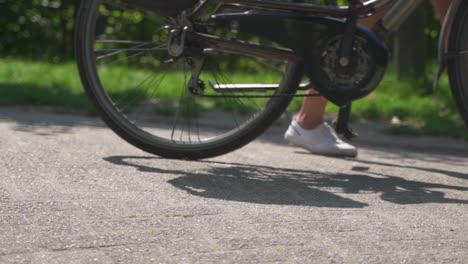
37	28
43	29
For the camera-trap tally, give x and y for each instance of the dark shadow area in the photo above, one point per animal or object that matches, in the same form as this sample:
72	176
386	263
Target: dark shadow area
399	156
454	174
48	121
53	94
435	155
45	122
284	186
35	109
44	110
450	157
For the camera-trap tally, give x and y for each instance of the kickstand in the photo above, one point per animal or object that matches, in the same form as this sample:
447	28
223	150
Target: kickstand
341	124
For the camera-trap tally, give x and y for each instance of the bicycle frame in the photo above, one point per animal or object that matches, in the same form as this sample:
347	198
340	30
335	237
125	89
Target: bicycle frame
390	22
307	44
367	8
399	12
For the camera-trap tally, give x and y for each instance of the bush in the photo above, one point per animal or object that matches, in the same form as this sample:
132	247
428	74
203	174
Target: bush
43	29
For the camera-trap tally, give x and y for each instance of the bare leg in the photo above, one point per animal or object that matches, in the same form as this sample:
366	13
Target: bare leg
309	130
313	108
312	111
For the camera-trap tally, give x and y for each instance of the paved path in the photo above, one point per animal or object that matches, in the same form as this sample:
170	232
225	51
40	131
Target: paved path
73	192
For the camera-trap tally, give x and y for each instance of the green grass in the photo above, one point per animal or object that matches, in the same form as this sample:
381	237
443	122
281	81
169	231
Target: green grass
424	111
41	84
58	85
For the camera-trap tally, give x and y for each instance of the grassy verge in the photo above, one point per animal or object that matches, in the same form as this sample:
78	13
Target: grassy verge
58	85
41	84
422	110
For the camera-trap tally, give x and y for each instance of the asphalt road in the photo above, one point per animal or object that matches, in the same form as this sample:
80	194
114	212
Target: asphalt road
73	192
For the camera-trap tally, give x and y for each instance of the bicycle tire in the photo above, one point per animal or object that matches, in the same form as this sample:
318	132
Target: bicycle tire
127	129
458	65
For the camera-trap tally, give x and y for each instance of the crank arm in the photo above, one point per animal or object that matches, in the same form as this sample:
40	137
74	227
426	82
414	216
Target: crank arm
342	123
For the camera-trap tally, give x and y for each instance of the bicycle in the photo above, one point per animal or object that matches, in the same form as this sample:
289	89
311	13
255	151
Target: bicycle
249	58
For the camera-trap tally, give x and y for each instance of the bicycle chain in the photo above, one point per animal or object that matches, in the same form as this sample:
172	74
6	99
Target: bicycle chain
261	96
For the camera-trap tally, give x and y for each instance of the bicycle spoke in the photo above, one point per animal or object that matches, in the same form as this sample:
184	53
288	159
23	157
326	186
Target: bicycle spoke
149	100
112	52
176	117
152	81
118	41
226	80
232	112
134	48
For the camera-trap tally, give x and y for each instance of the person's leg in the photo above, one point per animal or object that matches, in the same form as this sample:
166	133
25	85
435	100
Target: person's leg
313	108
308	128
312	111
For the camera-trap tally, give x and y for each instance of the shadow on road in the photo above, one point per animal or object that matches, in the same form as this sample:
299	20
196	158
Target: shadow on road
43	122
454	174
37	121
284	186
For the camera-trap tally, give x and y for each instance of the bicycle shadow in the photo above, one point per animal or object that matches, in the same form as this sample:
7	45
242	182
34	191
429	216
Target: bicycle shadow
285	186
397	155
454	174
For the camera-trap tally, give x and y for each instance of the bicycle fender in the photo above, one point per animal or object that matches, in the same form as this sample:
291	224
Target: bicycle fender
444	36
446	30
304	34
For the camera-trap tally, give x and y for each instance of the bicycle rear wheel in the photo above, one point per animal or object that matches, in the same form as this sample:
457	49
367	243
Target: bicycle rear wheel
458	65
143	94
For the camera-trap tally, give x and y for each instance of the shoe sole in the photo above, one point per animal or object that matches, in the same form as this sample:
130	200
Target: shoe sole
334	155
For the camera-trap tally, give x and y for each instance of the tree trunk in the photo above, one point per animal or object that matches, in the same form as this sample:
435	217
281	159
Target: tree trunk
410	46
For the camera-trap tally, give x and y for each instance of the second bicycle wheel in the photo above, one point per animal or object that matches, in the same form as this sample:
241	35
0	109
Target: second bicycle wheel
152	100
458	60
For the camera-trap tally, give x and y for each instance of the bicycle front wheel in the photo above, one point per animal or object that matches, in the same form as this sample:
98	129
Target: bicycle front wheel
458	65
153	101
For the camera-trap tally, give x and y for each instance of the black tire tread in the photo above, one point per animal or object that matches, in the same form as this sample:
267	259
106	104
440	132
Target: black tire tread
456	84
275	108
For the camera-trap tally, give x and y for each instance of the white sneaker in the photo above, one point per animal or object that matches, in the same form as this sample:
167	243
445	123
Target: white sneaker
321	140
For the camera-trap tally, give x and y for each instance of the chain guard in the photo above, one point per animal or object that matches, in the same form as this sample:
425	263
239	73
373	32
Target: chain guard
309	37
342	85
